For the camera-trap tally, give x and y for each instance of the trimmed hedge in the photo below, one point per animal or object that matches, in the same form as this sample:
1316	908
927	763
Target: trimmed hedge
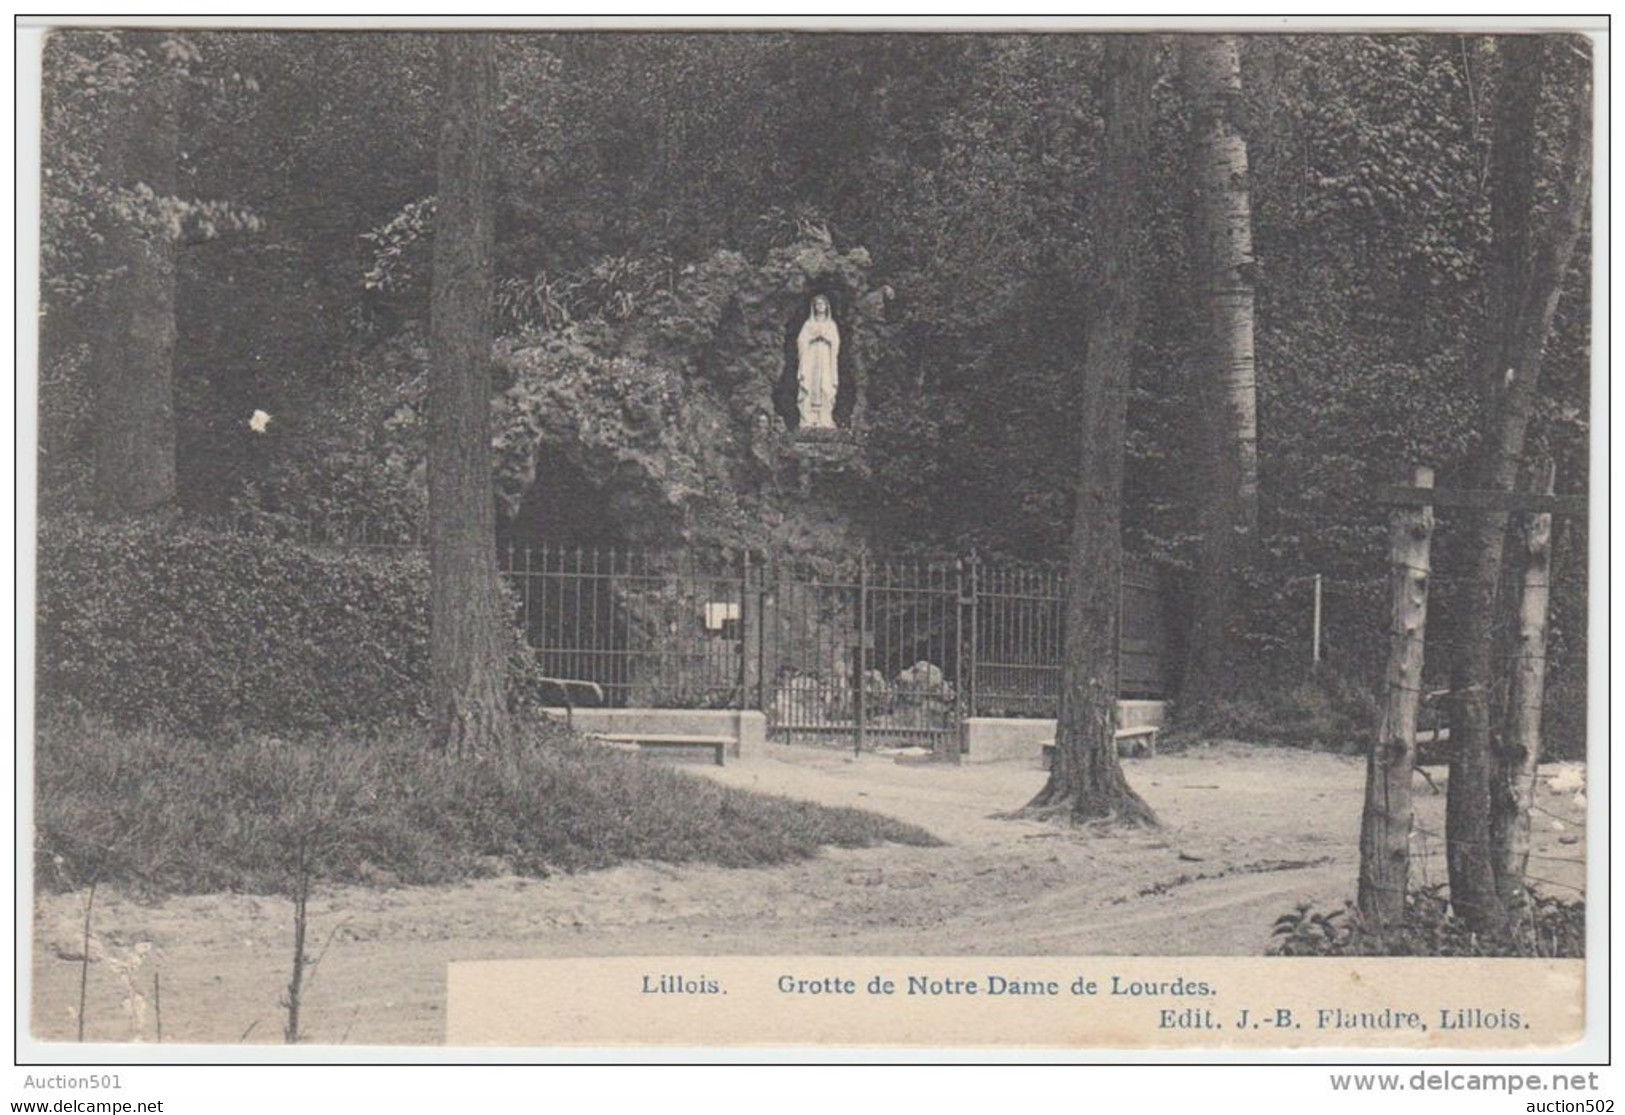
170	624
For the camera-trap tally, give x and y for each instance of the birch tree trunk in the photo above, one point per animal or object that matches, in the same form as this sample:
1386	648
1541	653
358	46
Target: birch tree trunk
1223	265
134	357
1518	758
1526	275
1385	822
1086	780
468	648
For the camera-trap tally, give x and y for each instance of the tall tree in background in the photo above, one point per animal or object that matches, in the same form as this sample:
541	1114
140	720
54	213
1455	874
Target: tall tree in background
133	337
468	657
1222	260
1528	260
1086	780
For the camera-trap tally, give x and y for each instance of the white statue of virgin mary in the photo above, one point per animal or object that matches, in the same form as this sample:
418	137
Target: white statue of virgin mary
818	353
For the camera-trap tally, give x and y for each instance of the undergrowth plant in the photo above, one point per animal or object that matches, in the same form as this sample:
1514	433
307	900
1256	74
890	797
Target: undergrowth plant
1544	927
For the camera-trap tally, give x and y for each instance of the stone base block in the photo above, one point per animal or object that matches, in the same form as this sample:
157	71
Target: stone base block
996	739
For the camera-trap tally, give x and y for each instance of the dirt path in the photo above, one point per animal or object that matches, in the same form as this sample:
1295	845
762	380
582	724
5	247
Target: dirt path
1248	833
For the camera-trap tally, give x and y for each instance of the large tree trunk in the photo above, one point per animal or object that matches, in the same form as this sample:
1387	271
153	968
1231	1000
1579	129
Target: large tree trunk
134	341
1087	780
1222	262
1527	267
468	648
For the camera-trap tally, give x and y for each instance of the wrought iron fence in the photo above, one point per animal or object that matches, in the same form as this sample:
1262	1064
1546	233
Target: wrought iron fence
1018	631
885	653
651	629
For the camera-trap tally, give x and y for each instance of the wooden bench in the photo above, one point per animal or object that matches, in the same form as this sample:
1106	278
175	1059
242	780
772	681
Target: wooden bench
718	745
1146	734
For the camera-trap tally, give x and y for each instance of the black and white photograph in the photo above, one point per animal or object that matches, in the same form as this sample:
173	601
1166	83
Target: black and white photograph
1042	536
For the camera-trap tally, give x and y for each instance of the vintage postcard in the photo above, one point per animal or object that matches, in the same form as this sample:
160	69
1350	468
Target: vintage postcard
1041	537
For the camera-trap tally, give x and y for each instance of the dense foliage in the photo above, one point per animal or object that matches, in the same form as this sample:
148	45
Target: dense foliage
197	628
649	184
155	623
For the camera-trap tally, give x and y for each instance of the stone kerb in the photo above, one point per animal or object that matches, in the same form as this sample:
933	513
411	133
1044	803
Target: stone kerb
747	729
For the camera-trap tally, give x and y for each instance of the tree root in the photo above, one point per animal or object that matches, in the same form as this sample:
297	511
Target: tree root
1127	810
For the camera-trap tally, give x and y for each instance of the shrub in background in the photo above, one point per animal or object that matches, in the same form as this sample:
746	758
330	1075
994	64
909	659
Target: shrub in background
172	625
1329	710
1563	718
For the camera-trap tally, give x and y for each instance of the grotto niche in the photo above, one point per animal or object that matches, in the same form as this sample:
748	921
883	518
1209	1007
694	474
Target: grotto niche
817	391
681	424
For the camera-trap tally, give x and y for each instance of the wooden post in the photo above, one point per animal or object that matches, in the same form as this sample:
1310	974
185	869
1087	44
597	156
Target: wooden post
762	599
1520	754
970	672
742	622
1385	823
955	741
860	705
1315	650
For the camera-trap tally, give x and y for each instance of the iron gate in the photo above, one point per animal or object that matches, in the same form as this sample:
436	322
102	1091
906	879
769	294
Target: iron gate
857	652
869	653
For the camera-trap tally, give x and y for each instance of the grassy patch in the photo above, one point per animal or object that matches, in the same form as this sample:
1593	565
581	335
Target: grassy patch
174	814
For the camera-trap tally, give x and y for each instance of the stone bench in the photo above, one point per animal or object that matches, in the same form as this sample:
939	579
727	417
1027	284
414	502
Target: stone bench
1144	734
